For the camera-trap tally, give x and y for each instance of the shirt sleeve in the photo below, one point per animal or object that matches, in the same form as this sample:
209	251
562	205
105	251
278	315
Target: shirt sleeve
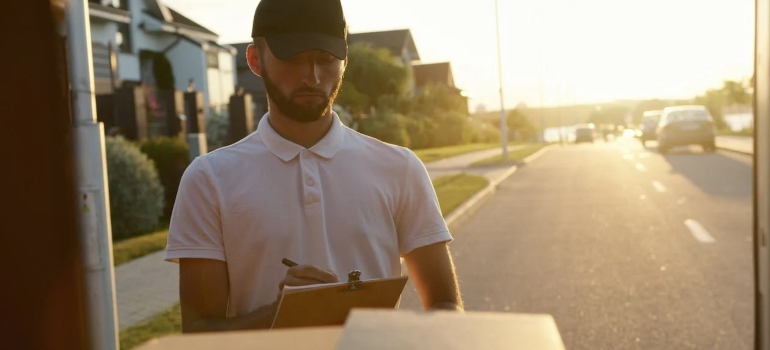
418	217
195	230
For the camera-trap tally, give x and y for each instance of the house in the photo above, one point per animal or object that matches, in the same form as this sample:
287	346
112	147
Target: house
145	33
436	73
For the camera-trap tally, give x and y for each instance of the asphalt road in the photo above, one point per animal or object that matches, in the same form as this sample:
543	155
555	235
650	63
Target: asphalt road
626	248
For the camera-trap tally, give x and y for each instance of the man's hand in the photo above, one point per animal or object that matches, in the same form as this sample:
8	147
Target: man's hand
303	275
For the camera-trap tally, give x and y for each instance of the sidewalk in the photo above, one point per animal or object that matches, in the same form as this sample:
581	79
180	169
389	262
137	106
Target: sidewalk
149	285
458	164
740	144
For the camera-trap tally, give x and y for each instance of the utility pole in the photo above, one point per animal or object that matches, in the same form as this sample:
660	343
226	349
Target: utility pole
91	176
503	124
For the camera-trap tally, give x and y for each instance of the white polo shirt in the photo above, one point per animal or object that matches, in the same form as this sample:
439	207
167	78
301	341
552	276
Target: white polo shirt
350	202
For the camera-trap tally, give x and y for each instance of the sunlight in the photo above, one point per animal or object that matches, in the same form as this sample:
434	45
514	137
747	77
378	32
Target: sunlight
592	51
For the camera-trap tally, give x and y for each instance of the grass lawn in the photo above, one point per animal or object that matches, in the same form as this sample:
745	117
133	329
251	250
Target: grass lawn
167	322
428	155
452	190
137	247
513	156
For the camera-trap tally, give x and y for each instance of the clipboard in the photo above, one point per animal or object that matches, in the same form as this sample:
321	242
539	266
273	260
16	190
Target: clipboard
329	304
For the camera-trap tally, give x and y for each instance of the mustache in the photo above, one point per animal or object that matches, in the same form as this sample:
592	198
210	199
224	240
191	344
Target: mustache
309	90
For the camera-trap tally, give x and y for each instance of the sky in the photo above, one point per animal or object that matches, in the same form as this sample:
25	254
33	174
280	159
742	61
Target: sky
553	52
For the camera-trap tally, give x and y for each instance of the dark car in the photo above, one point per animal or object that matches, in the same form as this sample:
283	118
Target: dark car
585	133
684	126
649	125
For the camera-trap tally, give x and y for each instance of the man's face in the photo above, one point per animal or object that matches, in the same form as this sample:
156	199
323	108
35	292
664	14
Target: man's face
302	87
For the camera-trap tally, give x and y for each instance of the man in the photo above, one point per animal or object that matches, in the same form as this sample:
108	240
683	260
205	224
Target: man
302	187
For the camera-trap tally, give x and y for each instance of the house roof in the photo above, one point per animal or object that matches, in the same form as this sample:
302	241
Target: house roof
108	13
393	40
178	18
437	73
166	14
209	44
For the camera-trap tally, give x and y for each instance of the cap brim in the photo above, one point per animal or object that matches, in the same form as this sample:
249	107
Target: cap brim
285	46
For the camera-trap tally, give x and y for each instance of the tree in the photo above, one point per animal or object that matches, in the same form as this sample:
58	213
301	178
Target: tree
714	100
519	126
349	97
439	116
437	98
371	74
736	92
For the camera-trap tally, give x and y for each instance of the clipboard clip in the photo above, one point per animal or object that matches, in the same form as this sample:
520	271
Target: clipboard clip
354	280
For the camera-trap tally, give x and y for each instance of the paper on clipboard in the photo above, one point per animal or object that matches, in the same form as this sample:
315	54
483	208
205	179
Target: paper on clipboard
329	304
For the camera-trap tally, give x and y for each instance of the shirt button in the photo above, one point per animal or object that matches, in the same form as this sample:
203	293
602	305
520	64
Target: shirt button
310	181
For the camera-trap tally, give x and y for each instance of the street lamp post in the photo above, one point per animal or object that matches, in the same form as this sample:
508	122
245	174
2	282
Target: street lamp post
503	126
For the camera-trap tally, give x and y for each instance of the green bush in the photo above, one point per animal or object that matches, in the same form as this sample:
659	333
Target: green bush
451	129
136	195
171	157
217	125
415	129
387	126
484	133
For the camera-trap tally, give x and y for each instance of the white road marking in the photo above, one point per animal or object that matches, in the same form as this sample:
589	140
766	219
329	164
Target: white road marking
640	167
698	231
659	187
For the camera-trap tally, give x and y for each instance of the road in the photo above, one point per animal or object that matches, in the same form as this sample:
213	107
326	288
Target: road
626	248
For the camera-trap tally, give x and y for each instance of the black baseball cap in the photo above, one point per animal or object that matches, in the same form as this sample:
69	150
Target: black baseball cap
294	26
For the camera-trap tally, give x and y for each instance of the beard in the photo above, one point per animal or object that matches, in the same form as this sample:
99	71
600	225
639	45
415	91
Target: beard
299	112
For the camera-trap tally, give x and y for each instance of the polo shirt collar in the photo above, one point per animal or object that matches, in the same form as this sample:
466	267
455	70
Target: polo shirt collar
286	150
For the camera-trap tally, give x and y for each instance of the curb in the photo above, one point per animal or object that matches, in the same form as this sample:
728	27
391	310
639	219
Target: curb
735	151
465	211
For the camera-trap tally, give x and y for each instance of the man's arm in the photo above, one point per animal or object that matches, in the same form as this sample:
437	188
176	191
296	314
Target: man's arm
204	290
433	273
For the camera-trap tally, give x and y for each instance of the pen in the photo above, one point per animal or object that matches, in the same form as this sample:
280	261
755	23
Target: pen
288	262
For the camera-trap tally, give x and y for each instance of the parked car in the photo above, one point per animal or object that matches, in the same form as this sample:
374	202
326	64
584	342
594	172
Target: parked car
684	126
585	133
650	121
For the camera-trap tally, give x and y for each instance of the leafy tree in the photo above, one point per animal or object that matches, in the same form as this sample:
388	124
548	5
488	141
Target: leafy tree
736	92
371	74
714	100
519	126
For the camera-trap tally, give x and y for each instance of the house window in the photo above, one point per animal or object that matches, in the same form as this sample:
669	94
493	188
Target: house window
123	38
212	59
